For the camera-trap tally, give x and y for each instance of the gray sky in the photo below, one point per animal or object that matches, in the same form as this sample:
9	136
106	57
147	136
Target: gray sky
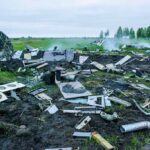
65	18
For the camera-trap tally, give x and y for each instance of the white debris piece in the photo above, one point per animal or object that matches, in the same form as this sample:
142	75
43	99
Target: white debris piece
98	65
3	97
52	109
82	59
140	86
82	134
119	101
123	60
17	55
83	122
73	90
11	86
96	101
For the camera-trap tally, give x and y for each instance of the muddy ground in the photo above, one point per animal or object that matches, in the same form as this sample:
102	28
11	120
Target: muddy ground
52	131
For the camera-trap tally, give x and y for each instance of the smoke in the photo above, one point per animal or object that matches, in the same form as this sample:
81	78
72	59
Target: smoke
110	44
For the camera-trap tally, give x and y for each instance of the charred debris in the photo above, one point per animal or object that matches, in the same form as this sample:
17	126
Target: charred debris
62	98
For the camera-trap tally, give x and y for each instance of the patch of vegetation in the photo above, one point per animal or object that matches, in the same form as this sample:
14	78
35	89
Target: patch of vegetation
7	77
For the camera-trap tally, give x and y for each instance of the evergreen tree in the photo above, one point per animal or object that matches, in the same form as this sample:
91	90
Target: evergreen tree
148	32
126	32
132	33
139	33
119	33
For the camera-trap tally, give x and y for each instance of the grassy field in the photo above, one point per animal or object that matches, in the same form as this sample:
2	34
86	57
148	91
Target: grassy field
49	43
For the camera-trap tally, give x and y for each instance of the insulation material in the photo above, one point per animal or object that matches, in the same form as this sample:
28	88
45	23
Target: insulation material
73	90
27	56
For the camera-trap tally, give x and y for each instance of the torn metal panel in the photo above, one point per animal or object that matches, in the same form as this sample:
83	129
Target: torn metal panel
65	55
3	97
52	109
82	134
98	65
73	90
17	55
38	91
119	101
96	101
68	148
82	59
123	60
83	122
11	86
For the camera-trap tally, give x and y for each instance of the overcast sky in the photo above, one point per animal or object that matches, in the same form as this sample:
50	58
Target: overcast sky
64	18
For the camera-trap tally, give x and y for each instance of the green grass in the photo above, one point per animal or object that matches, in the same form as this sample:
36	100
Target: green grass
7	77
49	43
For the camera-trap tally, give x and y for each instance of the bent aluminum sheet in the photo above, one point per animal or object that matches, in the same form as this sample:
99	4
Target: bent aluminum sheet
75	85
123	60
3	97
11	86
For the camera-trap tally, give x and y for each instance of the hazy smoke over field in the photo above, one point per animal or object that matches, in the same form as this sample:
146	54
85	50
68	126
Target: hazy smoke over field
110	45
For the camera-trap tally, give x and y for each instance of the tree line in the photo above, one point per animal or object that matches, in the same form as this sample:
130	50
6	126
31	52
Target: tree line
128	32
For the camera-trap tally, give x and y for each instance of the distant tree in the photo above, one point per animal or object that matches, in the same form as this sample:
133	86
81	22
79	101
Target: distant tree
101	34
148	32
132	33
107	33
139	33
119	33
126	32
